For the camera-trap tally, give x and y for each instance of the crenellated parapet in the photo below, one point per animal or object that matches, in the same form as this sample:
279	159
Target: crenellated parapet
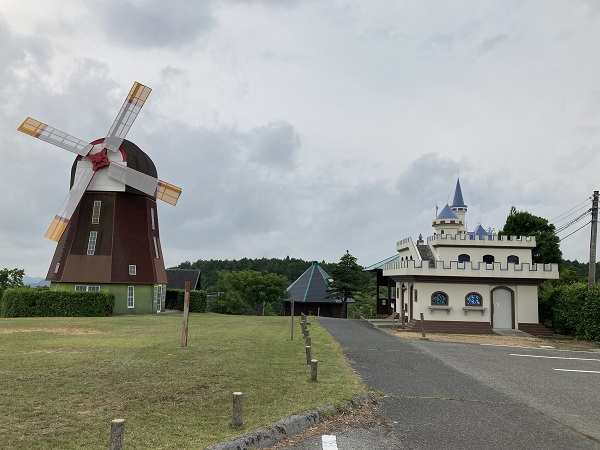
492	240
471	269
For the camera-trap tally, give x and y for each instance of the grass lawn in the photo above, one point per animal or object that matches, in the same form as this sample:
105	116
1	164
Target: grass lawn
64	379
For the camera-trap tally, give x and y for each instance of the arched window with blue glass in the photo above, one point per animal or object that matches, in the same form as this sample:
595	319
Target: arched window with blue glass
439	298
473	299
512	259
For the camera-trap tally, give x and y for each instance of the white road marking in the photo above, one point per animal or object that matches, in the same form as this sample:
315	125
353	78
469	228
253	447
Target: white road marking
329	442
573	370
512	346
556	357
541	347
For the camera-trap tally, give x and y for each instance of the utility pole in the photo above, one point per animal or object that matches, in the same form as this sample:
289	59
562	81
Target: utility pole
592	265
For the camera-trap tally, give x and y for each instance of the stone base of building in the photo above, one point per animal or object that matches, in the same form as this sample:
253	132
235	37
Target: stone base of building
450	327
536	329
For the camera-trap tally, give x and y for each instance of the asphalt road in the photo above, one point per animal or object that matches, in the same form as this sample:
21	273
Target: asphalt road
467	396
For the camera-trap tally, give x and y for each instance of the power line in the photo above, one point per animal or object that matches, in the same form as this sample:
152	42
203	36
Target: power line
583	226
572	222
565	217
575	207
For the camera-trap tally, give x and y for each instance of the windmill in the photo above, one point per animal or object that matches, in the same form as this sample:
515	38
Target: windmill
107	228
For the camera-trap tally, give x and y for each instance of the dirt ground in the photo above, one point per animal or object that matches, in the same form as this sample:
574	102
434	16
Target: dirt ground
559	342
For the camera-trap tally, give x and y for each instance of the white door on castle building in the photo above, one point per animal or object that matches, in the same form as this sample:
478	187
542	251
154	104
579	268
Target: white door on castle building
503	311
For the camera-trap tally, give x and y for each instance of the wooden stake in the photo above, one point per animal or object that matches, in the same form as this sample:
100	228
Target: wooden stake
308	354
117	434
308	340
186	314
238	420
313	369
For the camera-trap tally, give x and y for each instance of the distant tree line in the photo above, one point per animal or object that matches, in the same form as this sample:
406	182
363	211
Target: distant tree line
290	268
240	286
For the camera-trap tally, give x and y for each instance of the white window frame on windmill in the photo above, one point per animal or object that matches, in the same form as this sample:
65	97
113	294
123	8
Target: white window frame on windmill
156	247
92	242
57	267
96	212
132	269
153	219
84	288
130	296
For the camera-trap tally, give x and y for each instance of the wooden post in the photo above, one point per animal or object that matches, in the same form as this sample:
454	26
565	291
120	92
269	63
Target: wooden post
593	236
402	326
186	314
292	307
308	354
313	369
422	326
117	434
308	340
238	419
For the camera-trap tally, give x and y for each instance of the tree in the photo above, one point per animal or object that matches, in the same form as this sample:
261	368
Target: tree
347	280
11	278
256	290
522	223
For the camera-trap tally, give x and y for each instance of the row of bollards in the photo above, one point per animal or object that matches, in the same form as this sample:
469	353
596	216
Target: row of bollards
117	426
308	346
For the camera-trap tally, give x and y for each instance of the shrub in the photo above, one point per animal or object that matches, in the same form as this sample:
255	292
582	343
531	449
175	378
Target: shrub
568	308
45	303
198	300
590	317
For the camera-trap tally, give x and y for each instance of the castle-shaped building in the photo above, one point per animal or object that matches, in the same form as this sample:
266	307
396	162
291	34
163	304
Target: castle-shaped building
464	281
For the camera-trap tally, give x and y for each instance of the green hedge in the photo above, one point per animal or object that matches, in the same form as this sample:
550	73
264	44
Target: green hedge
26	302
198	300
576	311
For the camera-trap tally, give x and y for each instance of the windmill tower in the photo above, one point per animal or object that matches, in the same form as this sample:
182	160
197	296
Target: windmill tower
107	228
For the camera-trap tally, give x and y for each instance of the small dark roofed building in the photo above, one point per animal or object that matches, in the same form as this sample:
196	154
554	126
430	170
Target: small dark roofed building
176	279
309	293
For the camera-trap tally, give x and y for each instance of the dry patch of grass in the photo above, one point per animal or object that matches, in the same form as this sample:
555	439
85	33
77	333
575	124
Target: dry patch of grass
365	416
57	330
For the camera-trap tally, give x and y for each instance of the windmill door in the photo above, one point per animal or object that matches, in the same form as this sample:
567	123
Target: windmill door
502	309
158	295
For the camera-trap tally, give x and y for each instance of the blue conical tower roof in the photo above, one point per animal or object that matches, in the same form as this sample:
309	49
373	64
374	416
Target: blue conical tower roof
446	213
458	197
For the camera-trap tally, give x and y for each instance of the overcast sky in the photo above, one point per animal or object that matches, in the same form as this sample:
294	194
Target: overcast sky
307	128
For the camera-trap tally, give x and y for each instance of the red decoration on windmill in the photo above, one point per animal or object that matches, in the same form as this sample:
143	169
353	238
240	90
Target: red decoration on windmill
108	222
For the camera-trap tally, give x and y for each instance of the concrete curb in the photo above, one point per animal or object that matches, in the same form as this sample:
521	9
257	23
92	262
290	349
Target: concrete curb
266	437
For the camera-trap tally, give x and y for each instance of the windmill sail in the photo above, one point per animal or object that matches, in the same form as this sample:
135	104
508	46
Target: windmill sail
59	138
61	220
129	111
162	190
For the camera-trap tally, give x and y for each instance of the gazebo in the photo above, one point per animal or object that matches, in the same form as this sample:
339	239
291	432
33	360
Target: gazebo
309	294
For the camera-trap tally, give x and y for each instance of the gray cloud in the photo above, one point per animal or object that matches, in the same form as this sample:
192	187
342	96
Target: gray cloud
158	24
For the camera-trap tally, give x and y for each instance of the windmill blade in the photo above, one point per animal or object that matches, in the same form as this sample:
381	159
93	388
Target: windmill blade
162	190
168	193
61	220
46	133
133	178
129	111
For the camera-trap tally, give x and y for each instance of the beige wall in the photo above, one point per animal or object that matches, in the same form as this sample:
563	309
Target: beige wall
526	303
